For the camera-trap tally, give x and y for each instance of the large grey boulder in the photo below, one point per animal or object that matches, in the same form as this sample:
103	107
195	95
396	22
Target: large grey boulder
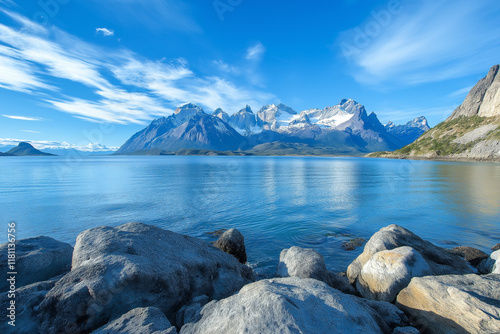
37	259
308	263
26	307
143	320
294	305
388	272
233	242
135	265
441	261
453	303
303	263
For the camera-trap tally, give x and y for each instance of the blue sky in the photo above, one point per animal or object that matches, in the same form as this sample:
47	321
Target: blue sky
74	71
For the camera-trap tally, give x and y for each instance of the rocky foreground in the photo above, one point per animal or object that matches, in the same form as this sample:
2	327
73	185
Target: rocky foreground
139	278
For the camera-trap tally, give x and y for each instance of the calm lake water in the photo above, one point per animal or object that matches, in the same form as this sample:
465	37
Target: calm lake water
276	202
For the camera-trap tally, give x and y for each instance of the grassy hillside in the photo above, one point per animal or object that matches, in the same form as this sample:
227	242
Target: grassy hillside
464	137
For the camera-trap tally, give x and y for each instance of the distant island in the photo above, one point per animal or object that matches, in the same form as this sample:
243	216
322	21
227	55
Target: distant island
472	132
25	149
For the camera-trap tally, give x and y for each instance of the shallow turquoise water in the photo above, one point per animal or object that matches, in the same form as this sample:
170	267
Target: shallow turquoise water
276	202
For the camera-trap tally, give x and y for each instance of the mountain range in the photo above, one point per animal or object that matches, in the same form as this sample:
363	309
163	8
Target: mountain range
472	132
345	128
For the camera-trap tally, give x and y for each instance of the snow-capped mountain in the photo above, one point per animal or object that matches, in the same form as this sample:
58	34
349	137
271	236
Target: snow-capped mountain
408	133
345	127
275	117
336	115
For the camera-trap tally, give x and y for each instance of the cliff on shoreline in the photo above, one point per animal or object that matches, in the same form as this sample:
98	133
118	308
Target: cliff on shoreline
471	133
139	278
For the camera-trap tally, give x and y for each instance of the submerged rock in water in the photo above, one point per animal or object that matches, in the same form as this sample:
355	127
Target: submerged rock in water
37	259
294	305
496	247
453	303
352	244
388	272
233	242
143	320
440	261
135	265
472	255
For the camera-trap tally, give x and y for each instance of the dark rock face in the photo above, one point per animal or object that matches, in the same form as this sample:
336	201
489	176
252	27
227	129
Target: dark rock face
496	247
37	259
115	270
408	133
472	255
233	242
475	99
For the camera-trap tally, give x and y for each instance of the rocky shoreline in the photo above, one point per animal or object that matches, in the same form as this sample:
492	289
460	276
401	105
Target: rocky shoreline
139	278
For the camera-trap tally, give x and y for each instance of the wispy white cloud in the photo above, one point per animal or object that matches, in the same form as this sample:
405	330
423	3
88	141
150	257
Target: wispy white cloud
256	52
154	14
30	131
104	32
23	118
34	55
461	92
226	68
428	41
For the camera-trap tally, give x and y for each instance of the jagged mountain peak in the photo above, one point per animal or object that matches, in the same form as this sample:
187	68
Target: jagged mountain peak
408	132
247	109
221	114
186	111
483	99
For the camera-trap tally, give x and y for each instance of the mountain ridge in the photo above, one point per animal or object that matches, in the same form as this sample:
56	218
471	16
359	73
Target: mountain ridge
345	127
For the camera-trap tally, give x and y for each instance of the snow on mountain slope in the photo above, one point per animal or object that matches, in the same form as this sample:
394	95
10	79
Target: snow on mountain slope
275	117
336	115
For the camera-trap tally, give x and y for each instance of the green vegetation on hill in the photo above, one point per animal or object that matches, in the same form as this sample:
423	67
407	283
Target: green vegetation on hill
452	139
440	140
